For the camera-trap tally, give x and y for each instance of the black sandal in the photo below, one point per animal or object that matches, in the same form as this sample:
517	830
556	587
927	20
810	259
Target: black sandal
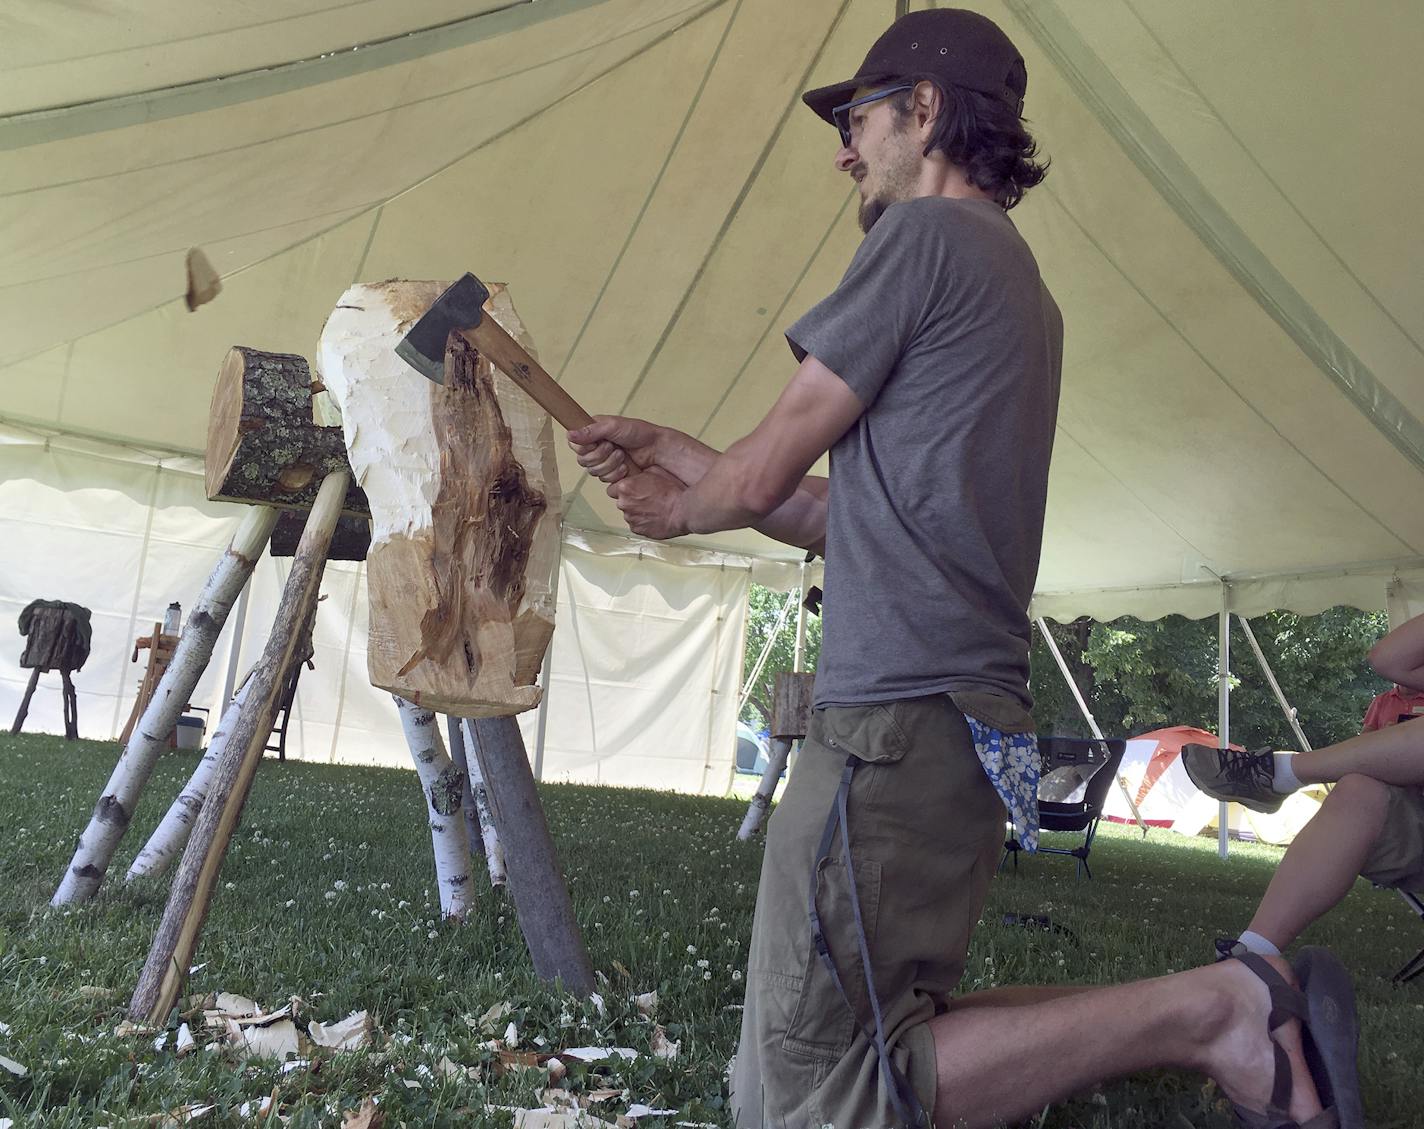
1331	1080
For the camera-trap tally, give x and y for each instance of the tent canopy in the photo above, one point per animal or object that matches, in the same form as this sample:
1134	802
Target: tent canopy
1241	393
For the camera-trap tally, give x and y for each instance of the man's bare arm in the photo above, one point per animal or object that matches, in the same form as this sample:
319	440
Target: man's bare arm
602	450
764	471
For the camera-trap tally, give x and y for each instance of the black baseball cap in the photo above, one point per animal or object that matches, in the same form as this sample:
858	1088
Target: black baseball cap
956	46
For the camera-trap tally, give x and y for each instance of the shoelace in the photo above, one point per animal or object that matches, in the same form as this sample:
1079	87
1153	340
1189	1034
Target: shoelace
1249	769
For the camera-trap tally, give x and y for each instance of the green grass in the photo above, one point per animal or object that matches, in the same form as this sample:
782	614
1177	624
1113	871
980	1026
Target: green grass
280	927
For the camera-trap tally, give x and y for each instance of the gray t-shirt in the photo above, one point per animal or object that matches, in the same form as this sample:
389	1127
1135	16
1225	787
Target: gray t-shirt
944	329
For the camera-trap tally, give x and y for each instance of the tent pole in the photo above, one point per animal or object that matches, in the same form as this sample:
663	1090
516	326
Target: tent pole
1087	714
1286	707
234	654
799	661
547	672
1223	703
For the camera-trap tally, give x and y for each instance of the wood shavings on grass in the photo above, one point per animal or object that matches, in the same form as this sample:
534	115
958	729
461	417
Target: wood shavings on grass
662	1046
13	1067
598	1054
350	1034
367	1116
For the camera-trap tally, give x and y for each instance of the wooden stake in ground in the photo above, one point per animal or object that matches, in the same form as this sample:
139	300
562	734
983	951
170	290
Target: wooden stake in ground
171	955
444	786
790	715
171	834
541	896
195	648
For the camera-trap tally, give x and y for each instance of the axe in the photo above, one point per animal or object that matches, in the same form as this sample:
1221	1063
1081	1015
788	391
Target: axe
460	310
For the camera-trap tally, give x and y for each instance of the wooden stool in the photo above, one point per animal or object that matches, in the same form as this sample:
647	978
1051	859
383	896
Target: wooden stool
58	636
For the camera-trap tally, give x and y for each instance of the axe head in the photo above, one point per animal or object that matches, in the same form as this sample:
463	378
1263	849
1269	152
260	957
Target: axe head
423	348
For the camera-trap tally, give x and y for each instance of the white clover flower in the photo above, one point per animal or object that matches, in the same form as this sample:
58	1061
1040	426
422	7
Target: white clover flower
692	949
339	884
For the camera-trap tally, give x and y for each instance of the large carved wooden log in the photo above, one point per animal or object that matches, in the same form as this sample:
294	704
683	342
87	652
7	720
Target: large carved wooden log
464	500
263	445
171	955
149	737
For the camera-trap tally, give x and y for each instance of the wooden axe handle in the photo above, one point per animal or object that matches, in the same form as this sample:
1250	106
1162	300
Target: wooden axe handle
510	357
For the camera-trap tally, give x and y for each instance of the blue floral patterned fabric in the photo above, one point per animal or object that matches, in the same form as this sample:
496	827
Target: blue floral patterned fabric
1011	762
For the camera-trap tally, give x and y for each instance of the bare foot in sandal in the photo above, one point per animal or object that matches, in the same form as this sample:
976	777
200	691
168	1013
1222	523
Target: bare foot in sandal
1260	1036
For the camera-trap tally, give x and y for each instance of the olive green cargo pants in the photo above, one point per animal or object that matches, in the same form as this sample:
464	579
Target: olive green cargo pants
926	831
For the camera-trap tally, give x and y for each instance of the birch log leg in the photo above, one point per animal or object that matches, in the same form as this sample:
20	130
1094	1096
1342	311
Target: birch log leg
25	701
195	647
455	738
541	896
443	785
761	802
489	837
169	958
171	835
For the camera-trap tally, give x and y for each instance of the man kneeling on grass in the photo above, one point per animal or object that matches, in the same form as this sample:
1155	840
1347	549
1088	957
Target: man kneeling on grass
1371	824
931	376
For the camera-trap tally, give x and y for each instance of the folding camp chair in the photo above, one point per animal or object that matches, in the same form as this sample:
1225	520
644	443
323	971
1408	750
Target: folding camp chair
1076	775
1415	965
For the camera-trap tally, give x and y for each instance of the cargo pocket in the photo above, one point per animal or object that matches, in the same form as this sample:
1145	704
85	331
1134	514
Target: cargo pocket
868	732
823	1025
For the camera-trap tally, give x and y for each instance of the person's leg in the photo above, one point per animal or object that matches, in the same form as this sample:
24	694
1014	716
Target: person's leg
1393	755
1260	780
1321	865
1211	1019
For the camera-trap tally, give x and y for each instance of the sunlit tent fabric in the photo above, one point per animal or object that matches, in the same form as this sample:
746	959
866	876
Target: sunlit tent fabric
1242	397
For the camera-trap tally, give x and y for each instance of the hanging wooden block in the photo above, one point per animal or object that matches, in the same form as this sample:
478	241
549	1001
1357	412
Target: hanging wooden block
465	506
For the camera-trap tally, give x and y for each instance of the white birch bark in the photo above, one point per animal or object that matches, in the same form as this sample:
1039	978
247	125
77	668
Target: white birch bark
441	782
494	851
171	836
115	808
455	733
761	802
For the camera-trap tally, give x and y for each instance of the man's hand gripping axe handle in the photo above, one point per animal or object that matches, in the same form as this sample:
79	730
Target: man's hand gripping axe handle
460	309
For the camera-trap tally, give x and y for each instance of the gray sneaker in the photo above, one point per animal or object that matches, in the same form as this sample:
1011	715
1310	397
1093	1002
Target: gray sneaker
1238	778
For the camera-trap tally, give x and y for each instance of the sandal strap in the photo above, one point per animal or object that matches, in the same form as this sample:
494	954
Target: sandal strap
1287	1003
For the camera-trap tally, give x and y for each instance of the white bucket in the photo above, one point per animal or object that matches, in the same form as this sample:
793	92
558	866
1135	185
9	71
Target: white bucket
190	732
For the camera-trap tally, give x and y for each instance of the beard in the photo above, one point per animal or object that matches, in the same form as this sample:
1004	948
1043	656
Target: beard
897	180
871	210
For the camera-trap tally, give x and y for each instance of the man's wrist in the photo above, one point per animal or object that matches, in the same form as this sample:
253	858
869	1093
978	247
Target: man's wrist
678	516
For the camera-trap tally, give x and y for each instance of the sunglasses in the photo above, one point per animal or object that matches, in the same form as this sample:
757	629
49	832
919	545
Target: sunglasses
841	114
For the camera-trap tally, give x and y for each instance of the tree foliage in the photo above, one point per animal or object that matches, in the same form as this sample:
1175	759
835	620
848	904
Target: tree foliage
1140	675
763	607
